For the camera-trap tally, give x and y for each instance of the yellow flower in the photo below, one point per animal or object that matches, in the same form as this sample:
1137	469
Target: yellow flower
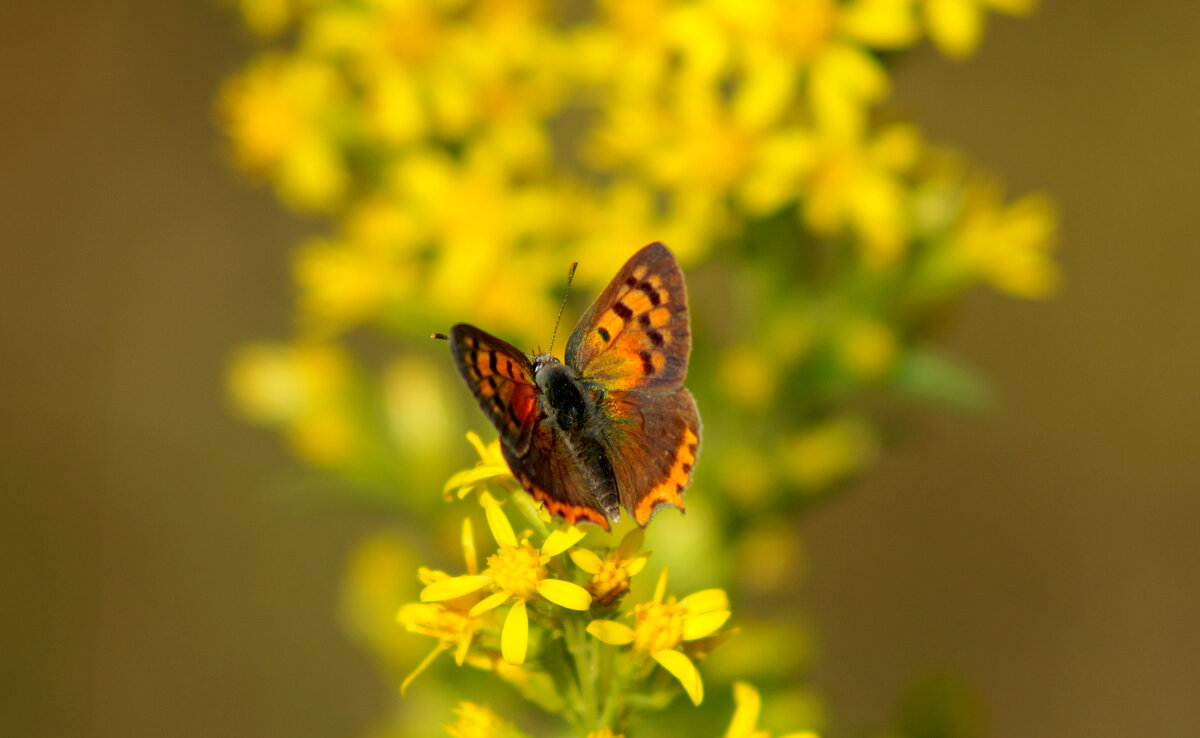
491	467
450	620
476	721
612	572
662	626
517	572
276	114
604	733
956	26
304	388
859	184
1008	245
748	703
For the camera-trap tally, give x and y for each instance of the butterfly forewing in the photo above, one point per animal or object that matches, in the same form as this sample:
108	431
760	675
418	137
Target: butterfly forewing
636	333
501	378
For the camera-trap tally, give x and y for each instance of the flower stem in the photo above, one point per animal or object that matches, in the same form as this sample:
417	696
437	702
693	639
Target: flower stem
585	667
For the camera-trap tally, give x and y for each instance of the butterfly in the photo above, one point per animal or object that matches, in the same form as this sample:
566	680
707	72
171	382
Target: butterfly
612	426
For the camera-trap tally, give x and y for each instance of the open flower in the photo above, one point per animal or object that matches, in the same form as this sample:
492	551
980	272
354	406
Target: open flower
516	572
450	621
661	627
611	573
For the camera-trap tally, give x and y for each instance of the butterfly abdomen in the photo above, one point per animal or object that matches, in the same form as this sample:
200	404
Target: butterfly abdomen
571	406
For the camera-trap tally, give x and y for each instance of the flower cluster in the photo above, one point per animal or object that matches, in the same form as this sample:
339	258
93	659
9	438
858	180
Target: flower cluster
460	153
560	596
467	149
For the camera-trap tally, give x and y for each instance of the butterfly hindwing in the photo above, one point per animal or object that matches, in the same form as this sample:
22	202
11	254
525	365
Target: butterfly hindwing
636	333
549	473
501	378
653	441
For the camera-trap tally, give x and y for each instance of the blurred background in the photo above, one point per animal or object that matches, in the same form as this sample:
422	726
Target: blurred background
158	580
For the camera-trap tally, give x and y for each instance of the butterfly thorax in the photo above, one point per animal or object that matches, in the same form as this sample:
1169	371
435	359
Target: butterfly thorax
562	397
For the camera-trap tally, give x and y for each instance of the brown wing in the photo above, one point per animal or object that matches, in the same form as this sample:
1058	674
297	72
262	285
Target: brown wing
637	332
501	378
548	472
653	440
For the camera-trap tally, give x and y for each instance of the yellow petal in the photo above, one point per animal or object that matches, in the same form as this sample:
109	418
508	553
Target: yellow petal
954	25
631	543
474	439
471	476
560	540
565	594
635	566
460	653
683	670
660	590
587	560
745	715
425	662
610	632
502	530
706	600
514	639
699	626
468	545
448	589
886	24
491	602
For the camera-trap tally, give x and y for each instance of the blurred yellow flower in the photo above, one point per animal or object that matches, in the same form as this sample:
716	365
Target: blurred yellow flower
476	721
1010	246
748	703
275	114
302	388
662	625
827	453
956	26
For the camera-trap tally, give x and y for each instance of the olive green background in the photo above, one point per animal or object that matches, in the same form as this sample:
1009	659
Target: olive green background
156	580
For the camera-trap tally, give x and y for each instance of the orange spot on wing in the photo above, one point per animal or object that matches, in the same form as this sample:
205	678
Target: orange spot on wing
612	323
659	317
670	490
637	301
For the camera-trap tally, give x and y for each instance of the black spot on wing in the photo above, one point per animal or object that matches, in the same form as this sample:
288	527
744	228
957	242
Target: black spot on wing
647	365
651	293
622	310
604	336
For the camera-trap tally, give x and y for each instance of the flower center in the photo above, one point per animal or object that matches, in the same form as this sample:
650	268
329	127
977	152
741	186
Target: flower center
517	570
658	627
610	582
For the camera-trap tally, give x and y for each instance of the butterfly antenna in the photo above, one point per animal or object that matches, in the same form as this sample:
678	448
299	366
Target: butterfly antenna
440	336
567	291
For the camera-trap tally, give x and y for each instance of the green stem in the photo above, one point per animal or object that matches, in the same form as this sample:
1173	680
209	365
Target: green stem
576	639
